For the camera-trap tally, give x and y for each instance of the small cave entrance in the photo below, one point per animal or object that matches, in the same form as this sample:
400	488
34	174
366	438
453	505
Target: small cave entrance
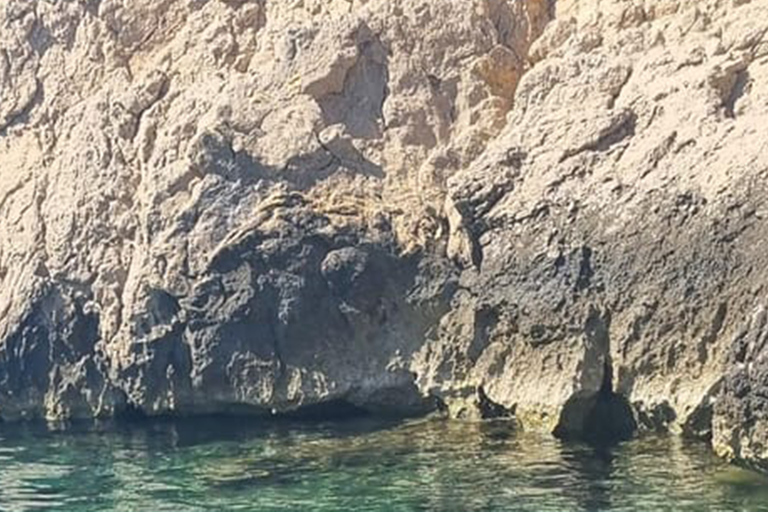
333	410
489	409
598	418
131	412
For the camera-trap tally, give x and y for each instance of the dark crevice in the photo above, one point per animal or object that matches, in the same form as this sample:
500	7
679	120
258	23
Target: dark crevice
490	409
699	423
606	387
476	250
737	91
131	413
620	128
586	272
332	410
439	404
598	418
486	319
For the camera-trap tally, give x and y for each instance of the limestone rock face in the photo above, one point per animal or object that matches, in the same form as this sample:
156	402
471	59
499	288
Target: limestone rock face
236	205
552	209
618	218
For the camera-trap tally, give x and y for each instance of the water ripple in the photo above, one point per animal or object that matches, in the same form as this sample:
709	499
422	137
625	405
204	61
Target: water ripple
198	465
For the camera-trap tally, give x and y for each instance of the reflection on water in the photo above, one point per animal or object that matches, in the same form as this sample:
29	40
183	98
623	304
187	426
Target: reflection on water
429	465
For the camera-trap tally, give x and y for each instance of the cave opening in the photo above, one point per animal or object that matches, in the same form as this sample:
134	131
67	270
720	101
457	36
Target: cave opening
333	410
600	418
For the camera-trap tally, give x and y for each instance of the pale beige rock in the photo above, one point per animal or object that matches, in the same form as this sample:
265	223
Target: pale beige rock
633	147
143	140
261	205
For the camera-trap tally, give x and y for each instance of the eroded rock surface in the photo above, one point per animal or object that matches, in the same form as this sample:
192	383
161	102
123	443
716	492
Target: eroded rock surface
546	209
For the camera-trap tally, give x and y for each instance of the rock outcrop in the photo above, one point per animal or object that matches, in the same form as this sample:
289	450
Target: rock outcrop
546	209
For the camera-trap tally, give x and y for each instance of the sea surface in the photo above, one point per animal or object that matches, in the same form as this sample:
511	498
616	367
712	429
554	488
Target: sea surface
234	464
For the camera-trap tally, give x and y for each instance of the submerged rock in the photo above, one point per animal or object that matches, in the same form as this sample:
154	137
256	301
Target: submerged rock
548	209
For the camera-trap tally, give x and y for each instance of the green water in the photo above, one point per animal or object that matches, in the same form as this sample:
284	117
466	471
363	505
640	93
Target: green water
430	465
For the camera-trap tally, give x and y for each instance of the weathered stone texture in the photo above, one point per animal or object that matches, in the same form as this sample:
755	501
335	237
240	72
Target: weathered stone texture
552	209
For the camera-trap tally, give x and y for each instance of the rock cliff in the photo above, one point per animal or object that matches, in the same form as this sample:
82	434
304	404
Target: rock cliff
547	209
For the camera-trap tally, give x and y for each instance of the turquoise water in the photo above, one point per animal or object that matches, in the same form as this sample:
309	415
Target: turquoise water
228	464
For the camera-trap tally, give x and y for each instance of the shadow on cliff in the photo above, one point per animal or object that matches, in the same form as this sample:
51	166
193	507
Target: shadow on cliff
600	419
